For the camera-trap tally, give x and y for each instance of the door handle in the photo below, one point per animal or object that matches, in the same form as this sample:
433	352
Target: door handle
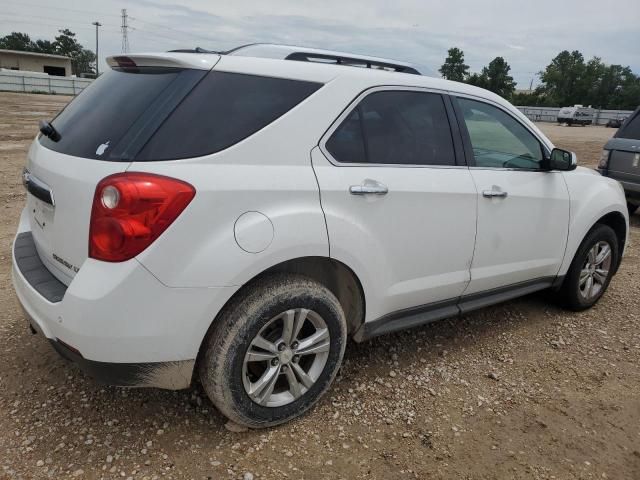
494	194
373	188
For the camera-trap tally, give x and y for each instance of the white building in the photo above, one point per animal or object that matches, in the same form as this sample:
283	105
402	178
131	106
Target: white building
58	65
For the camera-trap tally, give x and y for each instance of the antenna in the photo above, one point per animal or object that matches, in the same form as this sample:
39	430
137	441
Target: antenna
125	29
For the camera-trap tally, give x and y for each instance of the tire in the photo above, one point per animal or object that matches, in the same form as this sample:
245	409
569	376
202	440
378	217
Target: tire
228	373
575	293
632	208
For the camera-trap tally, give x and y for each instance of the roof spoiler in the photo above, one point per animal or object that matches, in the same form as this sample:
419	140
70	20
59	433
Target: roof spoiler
163	60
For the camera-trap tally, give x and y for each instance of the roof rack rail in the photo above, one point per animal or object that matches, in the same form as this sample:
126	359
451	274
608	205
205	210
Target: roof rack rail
316	55
350	61
193	50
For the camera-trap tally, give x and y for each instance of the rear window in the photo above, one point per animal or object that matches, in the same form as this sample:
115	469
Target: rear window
94	124
631	129
167	114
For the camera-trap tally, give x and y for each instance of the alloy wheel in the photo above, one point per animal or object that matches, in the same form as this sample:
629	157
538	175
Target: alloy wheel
286	357
595	272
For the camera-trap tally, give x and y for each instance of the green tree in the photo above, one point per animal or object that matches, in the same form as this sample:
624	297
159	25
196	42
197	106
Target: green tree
85	61
45	46
530	99
67	45
454	67
497	78
562	78
17	41
478	80
494	77
569	80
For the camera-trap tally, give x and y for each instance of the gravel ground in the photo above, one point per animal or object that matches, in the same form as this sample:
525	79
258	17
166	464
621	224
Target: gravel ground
520	390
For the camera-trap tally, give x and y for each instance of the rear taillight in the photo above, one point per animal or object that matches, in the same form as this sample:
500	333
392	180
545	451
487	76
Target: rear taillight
130	210
603	164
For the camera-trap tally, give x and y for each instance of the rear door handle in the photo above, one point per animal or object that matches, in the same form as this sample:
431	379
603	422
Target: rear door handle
494	194
369	188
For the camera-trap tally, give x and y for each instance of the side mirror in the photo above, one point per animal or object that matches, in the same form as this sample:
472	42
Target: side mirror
563	160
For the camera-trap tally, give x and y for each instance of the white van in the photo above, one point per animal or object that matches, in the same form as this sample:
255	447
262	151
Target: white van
577	115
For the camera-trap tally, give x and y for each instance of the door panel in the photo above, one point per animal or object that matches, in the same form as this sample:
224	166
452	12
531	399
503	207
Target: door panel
521	236
523	210
411	246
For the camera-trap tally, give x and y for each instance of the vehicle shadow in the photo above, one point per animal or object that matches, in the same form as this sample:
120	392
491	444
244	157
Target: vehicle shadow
129	410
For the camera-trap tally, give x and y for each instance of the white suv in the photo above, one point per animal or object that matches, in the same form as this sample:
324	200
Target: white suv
237	216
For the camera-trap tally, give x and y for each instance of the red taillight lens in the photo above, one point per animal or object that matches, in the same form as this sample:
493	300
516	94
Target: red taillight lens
130	210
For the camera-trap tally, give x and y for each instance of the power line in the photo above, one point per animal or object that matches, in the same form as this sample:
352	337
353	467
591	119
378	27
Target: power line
55	25
29	16
50	7
166	27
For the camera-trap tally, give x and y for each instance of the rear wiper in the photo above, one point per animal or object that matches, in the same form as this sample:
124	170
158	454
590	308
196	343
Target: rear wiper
48	130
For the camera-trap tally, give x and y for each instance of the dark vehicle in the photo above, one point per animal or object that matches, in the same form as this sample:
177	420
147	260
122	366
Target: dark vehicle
615	122
621	159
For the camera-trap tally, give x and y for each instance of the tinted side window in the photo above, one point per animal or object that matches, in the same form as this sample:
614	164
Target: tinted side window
347	142
223	109
498	139
395	127
631	130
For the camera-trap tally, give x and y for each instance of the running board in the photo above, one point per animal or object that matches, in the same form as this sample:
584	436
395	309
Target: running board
423	314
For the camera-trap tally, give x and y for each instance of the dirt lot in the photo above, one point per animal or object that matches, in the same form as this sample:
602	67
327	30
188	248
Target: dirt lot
521	390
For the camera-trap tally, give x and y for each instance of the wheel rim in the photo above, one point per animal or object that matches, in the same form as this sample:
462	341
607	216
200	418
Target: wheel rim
595	271
286	357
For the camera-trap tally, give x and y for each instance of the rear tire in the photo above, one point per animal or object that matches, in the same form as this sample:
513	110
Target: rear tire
591	269
632	208
274	351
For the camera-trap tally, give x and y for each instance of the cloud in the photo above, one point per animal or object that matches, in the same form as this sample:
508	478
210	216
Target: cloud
527	34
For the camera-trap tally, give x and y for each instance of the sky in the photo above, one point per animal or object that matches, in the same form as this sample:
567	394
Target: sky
528	34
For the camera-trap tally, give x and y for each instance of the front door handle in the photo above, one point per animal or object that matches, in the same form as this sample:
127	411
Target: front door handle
369	188
494	194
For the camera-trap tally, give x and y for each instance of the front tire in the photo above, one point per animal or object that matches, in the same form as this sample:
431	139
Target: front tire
274	351
591	269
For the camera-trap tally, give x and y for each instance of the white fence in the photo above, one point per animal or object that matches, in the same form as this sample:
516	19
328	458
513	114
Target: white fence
550	114
22	82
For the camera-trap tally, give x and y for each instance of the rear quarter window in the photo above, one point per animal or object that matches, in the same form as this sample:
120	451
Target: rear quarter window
222	110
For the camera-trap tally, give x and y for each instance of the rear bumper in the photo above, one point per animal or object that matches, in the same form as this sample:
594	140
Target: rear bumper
119	323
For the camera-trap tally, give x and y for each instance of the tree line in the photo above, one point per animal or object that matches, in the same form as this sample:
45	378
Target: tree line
82	59
567	80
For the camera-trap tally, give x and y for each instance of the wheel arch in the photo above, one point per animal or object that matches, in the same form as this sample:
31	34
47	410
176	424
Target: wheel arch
593	200
618	224
339	278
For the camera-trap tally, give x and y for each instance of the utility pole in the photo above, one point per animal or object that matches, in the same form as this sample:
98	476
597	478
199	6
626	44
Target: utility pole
125	29
97	24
